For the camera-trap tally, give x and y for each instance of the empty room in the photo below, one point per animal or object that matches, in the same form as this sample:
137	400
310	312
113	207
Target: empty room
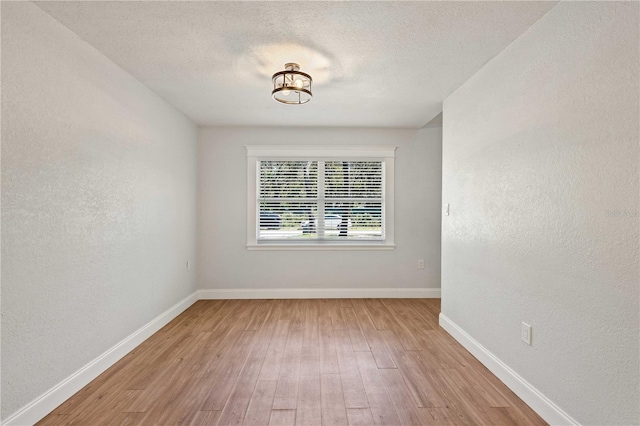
320	213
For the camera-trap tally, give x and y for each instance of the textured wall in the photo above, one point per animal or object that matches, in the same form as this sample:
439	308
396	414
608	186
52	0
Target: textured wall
540	166
225	262
98	204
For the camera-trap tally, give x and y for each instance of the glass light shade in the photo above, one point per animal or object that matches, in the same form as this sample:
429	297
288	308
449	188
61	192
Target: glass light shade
292	86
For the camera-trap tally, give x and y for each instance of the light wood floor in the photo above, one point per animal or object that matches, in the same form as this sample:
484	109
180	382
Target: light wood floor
291	362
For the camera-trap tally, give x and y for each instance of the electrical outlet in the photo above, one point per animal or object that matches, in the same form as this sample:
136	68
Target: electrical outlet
525	333
420	263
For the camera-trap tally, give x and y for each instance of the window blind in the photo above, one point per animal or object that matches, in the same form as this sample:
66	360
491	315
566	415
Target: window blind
320	200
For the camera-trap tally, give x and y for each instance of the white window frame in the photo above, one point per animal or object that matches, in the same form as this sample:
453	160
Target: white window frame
257	153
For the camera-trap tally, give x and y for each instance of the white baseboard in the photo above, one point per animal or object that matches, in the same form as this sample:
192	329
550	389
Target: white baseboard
47	402
320	293
542	405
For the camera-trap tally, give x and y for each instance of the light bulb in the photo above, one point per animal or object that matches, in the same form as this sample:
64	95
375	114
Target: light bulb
298	84
285	92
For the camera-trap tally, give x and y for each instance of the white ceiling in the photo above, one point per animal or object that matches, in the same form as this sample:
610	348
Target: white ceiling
374	64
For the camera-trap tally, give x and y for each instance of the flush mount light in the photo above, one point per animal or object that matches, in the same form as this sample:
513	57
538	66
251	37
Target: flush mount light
291	86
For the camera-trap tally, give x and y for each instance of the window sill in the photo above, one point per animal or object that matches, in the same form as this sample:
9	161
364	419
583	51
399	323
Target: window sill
295	247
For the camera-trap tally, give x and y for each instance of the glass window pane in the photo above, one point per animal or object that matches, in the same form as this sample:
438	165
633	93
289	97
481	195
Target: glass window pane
288	179
353	179
353	221
287	220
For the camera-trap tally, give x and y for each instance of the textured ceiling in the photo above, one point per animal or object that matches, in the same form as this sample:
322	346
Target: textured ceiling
374	64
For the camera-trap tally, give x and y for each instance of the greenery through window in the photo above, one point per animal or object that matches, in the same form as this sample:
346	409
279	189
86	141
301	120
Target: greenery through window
320	200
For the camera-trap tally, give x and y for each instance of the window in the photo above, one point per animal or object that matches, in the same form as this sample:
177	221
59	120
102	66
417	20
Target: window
320	197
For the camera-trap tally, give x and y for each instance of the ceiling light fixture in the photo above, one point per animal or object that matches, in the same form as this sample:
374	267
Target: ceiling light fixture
291	86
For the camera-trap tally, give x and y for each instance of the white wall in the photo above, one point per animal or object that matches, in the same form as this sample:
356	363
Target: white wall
98	204
225	263
540	166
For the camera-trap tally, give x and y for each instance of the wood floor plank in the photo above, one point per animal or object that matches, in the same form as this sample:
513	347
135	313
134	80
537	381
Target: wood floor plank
334	413
349	361
260	315
507	416
443	354
309	408
127	419
259	410
380	315
165	401
407	410
224	377
238	314
374	338
98	398
472	405
311	332
325	308
190	347
95	390
237	404
55	420
175	411
353	389
484	388
448	416
297	315
205	316
422	390
382	410
430	307
205	418
108	407
358	341
521	413
421	317
251	397
183	404
407	325
273	360
458	407
359	417
143	376
343	303
286	396
338	320
221	344
354	393
328	355
282	418
454	407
